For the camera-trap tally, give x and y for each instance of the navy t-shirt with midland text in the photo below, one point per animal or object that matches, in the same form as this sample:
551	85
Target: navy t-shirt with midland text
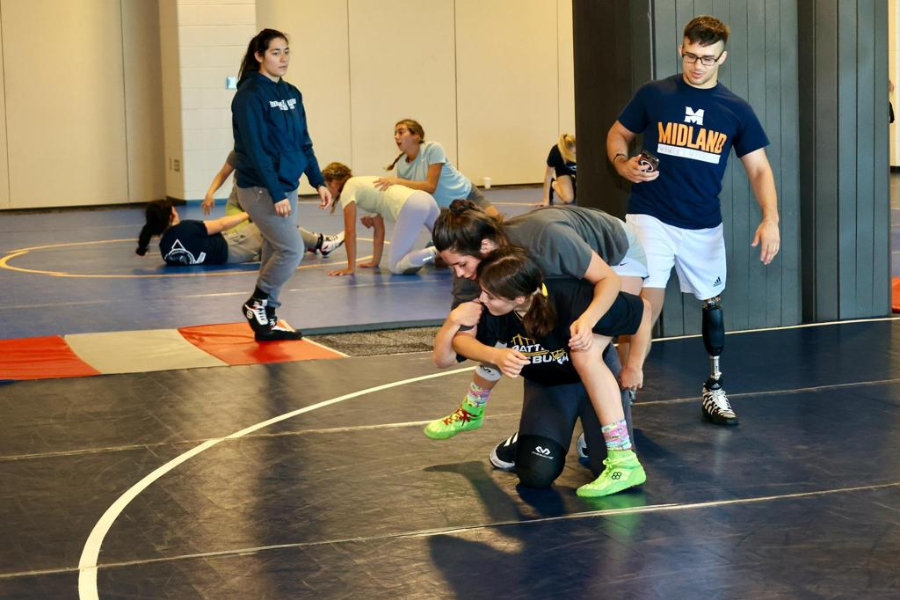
692	132
188	243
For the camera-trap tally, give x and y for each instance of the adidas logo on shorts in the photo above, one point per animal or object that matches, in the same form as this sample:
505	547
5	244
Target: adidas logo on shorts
717	282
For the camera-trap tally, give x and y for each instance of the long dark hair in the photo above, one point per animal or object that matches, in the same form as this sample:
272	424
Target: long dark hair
259	44
461	228
158	216
509	272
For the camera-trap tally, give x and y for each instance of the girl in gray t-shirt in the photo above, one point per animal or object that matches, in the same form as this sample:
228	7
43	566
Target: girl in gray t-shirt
569	242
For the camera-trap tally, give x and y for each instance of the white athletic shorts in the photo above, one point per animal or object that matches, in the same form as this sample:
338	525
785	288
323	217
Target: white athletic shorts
634	263
698	256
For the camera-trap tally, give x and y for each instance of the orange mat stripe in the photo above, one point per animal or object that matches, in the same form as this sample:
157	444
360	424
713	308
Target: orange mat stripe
233	343
40	358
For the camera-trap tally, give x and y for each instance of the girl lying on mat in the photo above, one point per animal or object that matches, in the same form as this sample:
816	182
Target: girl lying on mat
214	242
522	324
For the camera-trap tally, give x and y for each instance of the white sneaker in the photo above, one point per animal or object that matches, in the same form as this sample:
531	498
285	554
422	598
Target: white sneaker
716	407
503	455
581	447
330	243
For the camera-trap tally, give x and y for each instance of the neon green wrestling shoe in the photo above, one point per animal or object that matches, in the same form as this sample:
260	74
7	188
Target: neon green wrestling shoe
623	471
467	417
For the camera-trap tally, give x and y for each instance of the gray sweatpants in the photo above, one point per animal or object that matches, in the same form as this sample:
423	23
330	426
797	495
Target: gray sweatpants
282	245
419	210
233	206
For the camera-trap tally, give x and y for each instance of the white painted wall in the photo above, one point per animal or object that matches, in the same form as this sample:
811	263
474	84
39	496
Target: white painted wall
141	85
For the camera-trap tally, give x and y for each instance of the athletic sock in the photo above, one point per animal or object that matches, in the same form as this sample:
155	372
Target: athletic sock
616	436
259	294
477	395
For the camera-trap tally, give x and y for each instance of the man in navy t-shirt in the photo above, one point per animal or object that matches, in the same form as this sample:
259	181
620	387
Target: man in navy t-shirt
691	122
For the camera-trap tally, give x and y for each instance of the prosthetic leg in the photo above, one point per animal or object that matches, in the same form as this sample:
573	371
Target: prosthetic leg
716	407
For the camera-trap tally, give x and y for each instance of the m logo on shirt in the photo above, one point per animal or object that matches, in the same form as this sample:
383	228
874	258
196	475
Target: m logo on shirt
283	105
693	117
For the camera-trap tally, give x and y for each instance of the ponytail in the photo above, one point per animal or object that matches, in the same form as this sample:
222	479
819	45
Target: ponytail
541	317
391	166
462	227
158	215
509	272
566	145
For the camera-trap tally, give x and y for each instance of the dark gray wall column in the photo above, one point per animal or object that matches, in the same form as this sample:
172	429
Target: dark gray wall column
845	158
613	58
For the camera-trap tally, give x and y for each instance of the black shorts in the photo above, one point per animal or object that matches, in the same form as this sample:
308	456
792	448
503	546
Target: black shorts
623	317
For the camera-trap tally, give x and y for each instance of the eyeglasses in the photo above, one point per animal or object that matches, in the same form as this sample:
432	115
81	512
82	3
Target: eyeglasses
706	61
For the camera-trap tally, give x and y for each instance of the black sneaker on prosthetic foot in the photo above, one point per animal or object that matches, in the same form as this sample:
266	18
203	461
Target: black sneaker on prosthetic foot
716	407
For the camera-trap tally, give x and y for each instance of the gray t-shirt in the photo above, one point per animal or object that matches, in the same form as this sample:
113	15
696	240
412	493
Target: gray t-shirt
560	239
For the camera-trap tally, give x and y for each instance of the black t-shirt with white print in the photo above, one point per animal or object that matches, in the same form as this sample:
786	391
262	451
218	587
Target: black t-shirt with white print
189	243
549	355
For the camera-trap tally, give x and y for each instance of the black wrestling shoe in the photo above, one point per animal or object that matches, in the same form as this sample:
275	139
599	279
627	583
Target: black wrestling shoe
278	333
255	311
503	456
715	405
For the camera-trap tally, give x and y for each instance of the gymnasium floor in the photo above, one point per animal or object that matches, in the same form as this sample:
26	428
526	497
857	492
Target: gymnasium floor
75	272
312	479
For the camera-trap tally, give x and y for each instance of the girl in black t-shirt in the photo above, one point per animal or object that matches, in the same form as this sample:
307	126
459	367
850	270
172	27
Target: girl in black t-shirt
559	177
213	242
525	330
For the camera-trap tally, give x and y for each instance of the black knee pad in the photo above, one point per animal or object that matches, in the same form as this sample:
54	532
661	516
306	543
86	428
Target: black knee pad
713	328
539	460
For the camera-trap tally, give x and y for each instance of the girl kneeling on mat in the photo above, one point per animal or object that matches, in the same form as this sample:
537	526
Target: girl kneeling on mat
410	209
532	319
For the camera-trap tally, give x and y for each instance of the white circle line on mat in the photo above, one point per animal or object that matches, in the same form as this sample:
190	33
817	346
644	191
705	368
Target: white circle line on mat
87	565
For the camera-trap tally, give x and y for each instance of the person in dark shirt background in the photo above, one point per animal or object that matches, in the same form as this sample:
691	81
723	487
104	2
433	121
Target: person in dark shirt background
559	178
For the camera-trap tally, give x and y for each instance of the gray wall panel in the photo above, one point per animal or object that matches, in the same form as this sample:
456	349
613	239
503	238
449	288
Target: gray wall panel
847	50
845	204
881	214
788	93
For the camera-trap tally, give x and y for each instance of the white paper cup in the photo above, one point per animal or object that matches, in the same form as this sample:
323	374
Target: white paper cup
487	183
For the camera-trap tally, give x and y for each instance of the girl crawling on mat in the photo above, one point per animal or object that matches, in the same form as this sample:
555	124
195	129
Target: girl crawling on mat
214	242
409	209
529	319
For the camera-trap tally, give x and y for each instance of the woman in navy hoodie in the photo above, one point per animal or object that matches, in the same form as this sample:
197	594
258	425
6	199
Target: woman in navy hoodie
273	150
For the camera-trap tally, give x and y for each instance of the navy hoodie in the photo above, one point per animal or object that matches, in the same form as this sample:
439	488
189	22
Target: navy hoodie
271	138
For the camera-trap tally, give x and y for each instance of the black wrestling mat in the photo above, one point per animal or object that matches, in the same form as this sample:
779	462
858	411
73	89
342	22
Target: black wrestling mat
313	480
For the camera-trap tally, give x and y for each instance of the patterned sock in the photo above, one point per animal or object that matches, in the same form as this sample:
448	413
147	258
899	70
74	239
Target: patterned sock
477	395
616	436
